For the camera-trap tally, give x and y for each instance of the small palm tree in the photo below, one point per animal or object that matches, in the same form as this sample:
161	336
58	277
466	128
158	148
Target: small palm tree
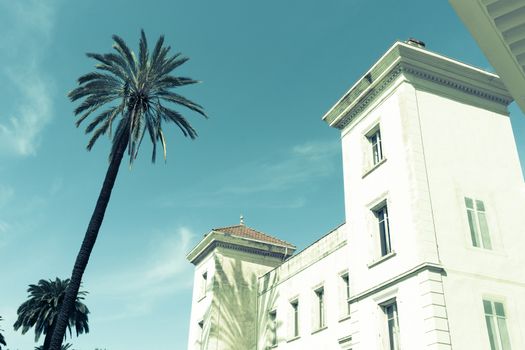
41	310
137	91
2	339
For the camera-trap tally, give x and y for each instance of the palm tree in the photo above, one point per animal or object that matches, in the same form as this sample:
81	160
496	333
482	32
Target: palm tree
2	339
139	93
41	309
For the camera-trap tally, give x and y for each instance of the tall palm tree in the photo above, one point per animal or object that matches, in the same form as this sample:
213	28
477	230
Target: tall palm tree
41	309
2	339
138	92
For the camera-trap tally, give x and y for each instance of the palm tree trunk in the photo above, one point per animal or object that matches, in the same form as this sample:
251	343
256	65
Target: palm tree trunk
88	244
49	334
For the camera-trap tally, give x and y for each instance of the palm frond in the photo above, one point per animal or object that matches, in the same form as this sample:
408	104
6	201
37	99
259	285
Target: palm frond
133	89
2	339
143	51
122	48
40	310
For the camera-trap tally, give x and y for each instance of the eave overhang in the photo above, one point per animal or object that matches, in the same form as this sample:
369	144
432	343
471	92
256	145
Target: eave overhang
216	239
498	26
423	69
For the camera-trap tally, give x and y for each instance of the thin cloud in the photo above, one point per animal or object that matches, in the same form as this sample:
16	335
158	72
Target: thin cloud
141	287
27	28
290	171
301	164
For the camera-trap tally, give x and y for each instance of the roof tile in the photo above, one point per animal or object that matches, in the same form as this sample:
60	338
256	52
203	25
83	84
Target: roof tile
244	231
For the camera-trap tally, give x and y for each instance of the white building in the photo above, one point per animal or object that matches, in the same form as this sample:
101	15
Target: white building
431	254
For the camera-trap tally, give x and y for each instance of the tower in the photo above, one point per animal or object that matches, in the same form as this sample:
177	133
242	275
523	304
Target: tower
228	261
434	203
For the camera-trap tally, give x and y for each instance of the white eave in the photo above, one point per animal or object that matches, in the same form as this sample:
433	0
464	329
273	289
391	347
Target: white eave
256	245
415	63
498	26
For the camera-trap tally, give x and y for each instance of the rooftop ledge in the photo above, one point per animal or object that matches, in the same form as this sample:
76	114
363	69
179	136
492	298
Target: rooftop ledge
419	67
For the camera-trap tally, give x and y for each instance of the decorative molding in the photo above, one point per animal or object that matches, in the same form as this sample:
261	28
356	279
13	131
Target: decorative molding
407	274
409	71
368	98
220	244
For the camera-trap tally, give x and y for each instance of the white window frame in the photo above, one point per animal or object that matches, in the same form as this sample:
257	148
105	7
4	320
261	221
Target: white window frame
203	284
382	221
200	337
272	325
319	309
391	324
374	141
295	319
345	294
478	223
496	324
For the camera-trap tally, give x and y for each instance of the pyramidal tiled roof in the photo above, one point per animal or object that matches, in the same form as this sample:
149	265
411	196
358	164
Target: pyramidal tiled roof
244	231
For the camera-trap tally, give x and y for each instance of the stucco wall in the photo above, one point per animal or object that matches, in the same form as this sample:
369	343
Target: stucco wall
319	265
476	159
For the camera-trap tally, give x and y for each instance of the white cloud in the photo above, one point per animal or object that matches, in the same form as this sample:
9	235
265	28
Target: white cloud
292	170
301	164
27	27
141	287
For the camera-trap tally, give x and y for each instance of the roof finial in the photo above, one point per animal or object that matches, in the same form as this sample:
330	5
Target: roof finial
242	220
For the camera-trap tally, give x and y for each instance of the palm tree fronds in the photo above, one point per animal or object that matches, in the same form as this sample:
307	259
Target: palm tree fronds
122	48
143	51
41	309
139	85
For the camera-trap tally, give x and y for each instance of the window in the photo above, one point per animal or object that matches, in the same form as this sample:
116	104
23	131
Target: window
345	294
496	325
374	137
204	284
392	324
200	334
384	230
477	220
295	318
272	315
320	309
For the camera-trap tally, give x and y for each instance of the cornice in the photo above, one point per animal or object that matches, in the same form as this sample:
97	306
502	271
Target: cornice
412	74
425	70
427	266
220	244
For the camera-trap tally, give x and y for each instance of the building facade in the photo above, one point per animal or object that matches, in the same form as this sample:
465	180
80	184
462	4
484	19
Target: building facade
430	256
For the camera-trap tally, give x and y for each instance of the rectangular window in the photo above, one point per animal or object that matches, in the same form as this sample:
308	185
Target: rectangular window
272	315
384	230
200	334
390	311
295	318
204	284
496	325
320	322
477	220
345	294
375	142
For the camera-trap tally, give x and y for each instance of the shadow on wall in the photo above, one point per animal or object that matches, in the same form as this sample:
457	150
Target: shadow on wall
232	321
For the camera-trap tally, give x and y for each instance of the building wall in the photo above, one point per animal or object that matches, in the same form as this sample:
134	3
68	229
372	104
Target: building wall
318	266
442	140
201	303
476	159
229	309
400	181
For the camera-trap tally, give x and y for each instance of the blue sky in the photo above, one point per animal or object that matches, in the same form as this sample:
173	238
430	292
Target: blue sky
269	70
